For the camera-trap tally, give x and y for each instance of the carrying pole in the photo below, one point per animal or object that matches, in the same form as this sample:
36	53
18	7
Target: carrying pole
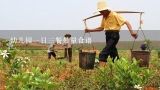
114	11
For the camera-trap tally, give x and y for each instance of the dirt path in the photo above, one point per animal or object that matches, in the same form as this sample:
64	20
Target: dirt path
2	82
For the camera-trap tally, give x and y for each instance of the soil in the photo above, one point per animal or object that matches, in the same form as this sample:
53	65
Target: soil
2	81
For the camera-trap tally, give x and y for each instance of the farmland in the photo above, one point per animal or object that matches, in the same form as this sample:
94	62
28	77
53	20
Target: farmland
59	74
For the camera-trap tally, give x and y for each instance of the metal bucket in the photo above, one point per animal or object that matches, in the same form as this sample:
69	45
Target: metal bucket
143	56
87	59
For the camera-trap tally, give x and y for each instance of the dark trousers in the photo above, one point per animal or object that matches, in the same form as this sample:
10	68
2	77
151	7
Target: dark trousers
112	39
51	54
68	52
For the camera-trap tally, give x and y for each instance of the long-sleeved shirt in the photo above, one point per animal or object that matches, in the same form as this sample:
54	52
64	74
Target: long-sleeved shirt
51	48
67	43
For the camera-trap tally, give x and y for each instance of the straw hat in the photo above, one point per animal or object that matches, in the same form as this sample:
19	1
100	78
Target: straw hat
101	5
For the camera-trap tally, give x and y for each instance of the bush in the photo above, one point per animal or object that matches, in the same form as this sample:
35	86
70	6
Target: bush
104	78
34	80
79	80
122	75
129	74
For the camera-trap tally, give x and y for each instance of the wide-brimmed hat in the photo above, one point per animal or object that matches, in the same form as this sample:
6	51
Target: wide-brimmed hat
101	6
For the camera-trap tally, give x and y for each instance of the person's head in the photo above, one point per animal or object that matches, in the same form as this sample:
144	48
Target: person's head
105	13
102	8
67	35
53	45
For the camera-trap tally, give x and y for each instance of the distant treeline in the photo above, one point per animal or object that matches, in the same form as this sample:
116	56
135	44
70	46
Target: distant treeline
122	45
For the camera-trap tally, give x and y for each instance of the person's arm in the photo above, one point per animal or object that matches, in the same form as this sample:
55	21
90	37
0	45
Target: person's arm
130	29
99	29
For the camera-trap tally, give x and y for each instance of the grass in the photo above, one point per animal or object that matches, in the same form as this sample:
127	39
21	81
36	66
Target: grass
69	74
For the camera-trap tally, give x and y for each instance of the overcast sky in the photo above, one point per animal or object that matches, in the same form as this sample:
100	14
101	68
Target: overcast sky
68	14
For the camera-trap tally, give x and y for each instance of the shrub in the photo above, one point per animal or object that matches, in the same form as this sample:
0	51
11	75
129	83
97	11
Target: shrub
104	78
122	75
34	80
129	74
79	80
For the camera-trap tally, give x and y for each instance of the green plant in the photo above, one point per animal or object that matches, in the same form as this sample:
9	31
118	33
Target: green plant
129	74
104	77
148	43
7	54
34	80
11	63
78	80
18	64
18	76
154	80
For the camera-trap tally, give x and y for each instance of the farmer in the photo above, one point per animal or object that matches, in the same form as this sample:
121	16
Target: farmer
111	25
51	51
68	47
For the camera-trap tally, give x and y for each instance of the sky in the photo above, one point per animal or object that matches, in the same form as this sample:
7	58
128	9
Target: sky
68	14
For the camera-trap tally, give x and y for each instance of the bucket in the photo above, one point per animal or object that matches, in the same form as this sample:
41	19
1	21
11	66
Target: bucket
143	56
87	59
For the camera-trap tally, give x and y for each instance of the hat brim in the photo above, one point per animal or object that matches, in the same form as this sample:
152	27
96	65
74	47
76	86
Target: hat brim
98	11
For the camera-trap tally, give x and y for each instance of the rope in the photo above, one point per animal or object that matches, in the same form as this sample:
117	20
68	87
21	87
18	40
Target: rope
85	34
140	28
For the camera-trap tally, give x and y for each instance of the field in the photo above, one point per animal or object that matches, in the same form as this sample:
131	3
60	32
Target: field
39	73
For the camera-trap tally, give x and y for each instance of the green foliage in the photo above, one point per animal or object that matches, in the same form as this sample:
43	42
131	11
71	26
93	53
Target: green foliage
105	78
18	75
122	75
18	64
34	80
128	74
153	80
11	63
148	43
80	80
9	51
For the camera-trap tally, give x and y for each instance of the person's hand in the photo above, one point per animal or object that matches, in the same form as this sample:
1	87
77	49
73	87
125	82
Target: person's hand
86	30
134	35
84	20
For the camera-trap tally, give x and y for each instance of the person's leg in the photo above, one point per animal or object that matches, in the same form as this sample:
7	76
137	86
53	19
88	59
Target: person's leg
70	54
106	52
54	54
114	52
49	55
102	57
65	52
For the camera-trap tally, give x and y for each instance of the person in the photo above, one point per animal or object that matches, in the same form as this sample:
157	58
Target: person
111	25
68	47
51	51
